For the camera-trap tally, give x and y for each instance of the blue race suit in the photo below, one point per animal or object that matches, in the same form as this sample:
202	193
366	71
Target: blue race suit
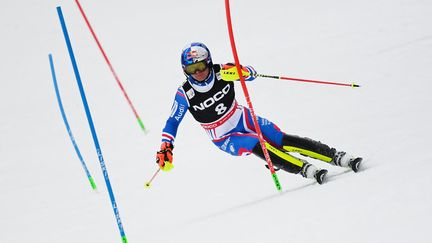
212	103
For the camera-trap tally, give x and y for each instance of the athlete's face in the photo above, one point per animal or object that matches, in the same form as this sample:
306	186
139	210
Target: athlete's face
201	75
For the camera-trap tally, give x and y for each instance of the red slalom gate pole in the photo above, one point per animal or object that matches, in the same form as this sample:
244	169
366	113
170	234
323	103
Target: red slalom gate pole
353	85
248	100
111	67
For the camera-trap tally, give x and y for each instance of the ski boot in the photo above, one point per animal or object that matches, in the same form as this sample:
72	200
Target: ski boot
311	171
345	160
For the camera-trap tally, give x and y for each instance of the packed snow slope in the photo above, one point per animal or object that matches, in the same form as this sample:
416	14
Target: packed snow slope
383	45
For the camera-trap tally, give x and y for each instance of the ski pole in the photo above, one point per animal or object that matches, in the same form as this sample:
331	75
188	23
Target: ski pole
65	120
353	85
111	68
248	100
148	184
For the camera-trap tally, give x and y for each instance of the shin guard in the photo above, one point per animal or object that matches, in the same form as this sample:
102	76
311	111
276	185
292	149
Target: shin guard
280	159
308	147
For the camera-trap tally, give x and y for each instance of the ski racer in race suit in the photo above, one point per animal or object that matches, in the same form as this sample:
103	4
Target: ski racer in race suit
208	93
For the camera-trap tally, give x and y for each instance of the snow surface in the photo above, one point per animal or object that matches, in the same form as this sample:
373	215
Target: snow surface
210	196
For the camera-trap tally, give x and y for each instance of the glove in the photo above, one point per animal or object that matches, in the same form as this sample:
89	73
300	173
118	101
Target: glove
229	72
164	156
252	73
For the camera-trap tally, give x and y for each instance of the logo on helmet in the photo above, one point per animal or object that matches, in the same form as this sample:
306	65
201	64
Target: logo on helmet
192	54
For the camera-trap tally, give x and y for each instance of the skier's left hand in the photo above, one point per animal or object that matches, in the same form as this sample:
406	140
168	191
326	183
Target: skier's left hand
229	72
252	73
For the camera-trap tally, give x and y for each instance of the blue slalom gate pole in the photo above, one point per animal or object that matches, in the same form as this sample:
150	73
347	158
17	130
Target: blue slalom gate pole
92	128
59	101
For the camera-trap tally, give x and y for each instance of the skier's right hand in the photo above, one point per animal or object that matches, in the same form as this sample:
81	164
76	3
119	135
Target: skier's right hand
164	156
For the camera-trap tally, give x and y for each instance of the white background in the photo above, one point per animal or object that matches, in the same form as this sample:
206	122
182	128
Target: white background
210	196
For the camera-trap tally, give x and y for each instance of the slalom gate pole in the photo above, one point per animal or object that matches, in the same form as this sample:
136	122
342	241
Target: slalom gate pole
91	125
353	85
248	100
141	124
59	101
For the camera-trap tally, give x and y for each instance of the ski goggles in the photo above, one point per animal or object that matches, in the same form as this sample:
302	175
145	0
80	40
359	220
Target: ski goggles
198	66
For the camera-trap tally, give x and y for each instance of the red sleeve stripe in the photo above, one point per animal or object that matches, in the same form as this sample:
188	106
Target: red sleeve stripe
167	136
180	93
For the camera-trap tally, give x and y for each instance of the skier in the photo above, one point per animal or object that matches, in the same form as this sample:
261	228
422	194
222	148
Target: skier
208	93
